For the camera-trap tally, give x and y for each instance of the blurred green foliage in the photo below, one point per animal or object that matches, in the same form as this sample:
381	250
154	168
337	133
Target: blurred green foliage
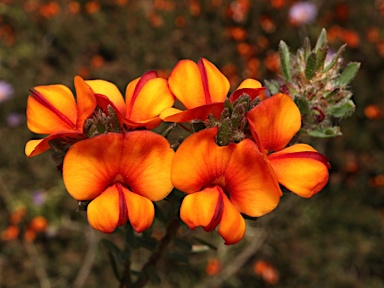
334	239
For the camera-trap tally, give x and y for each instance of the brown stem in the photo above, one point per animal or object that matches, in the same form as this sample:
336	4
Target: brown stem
171	231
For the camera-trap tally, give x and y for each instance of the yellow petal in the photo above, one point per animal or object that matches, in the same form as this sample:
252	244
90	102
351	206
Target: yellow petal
249	83
276	120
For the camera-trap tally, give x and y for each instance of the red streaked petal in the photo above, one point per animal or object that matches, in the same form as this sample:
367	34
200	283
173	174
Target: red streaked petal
215	84
86	101
110	91
153	97
202	208
252	185
199	162
141	211
276	120
249	86
104	211
232	225
191	83
198	113
133	89
145	164
301	169
51	109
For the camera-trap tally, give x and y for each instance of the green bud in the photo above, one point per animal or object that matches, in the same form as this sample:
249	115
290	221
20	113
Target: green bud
285	61
310	68
223	136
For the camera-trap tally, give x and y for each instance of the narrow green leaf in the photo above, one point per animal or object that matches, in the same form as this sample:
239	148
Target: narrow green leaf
335	58
179	257
321	55
302	104
307	48
325	132
114	265
343	110
111	246
285	60
322	40
310	68
348	74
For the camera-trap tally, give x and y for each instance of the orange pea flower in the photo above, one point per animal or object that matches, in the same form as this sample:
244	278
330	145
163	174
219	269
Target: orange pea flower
52	109
145	98
121	174
222	182
201	88
300	168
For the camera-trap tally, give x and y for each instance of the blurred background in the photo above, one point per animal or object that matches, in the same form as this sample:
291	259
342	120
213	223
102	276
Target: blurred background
334	239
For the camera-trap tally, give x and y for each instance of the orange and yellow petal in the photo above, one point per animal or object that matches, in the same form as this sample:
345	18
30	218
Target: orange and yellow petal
153	97
198	84
203	208
276	120
109	90
232	225
92	164
104	211
198	113
86	101
145	164
254	189
141	211
301	169
199	162
51	109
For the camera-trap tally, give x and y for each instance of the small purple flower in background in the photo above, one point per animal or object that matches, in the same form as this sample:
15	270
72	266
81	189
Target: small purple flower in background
302	13
15	119
6	91
38	197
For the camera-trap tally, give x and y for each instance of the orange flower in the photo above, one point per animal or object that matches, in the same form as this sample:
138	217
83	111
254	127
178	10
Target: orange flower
121	173
267	272
221	183
300	168
52	110
213	267
145	98
201	88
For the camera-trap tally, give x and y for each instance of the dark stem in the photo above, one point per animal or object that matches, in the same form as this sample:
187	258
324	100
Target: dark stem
126	277
171	231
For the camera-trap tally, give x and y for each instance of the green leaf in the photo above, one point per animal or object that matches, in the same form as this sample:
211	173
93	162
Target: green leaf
335	58
111	246
310	68
325	132
273	86
114	265
303	105
321	55
285	59
307	48
322	40
179	257
130	237
343	110
149	243
348	74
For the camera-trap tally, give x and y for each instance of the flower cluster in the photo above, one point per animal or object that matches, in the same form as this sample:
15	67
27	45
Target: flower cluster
237	159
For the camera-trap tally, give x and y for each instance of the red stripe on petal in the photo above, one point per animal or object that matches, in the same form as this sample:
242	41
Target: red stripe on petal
123	212
218	214
143	80
252	92
304	154
204	80
41	100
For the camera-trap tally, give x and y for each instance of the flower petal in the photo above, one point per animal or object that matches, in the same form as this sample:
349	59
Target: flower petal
276	120
301	169
252	184
141	211
203	208
151	100
199	162
232	225
249	86
198	113
109	90
198	84
103	212
86	101
92	165
145	164
51	109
